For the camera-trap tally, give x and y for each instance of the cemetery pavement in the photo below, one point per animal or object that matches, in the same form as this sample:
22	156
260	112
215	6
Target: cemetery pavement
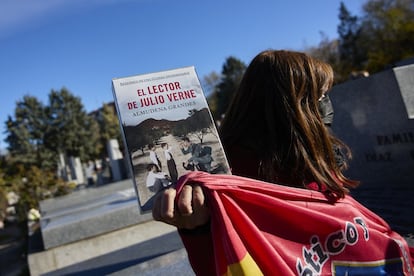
155	256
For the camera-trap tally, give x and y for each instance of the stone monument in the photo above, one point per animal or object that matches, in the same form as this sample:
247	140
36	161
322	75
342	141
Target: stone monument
116	159
100	231
375	117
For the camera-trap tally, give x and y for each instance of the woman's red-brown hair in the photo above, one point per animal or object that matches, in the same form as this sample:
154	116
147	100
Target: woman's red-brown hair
275	114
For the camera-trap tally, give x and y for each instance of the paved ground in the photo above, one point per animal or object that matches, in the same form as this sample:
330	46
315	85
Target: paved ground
163	255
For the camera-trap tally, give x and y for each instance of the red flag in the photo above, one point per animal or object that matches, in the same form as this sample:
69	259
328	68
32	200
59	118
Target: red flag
259	228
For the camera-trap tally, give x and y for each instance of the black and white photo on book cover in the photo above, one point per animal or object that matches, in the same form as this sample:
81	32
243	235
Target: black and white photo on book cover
168	130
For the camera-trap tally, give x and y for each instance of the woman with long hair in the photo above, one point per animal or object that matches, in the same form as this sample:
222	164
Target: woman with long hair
273	130
285	210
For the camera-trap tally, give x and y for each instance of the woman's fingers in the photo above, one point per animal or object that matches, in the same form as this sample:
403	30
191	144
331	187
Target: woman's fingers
168	203
163	208
190	211
200	207
198	197
184	202
192	207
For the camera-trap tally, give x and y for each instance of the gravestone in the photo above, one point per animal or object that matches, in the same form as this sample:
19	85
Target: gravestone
76	170
374	116
89	212
70	169
405	79
63	170
100	231
116	159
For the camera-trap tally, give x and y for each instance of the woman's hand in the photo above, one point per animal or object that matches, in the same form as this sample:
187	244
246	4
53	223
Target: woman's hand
189	212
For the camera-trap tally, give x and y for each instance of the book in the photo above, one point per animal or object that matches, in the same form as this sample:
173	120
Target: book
167	128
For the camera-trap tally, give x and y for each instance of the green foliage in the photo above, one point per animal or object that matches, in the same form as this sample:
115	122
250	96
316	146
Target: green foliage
108	125
389	31
212	102
3	191
327	50
3	204
381	37
27	133
35	185
38	133
231	74
352	53
93	145
63	188
31	183
210	84
72	131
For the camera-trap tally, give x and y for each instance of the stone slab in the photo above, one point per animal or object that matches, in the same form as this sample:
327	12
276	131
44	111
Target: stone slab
174	263
372	117
107	253
405	80
82	195
89	212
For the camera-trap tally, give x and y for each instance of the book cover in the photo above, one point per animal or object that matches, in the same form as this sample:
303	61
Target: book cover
167	128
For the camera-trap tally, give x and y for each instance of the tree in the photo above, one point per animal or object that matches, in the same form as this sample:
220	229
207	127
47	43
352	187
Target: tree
352	52
72	132
3	190
388	28
109	124
210	84
91	135
382	36
26	134
327	51
32	184
38	134
231	74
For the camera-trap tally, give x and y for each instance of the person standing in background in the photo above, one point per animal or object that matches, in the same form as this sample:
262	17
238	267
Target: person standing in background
154	157
172	168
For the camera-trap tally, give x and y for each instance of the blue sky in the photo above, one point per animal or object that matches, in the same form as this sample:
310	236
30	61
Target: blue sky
82	45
